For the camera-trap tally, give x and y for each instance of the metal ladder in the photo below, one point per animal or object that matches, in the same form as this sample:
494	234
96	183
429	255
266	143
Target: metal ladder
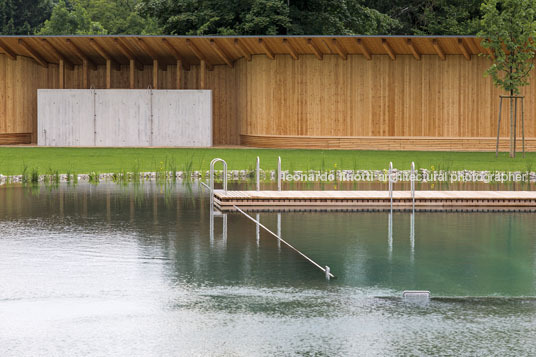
214	213
258	174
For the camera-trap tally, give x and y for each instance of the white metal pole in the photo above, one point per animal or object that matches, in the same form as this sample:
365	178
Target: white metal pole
212	163
390	235
279	174
211	228
258	171
285	242
413	184
258	228
224	233
391	184
412	235
211	183
279	229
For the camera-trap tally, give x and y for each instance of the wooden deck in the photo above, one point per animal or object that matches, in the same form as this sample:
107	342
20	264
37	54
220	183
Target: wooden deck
376	200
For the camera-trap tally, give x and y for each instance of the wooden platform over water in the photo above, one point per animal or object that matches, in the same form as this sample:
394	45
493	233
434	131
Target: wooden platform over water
376	200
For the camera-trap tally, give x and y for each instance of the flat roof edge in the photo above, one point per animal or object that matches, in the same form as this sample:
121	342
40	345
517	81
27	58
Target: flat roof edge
241	36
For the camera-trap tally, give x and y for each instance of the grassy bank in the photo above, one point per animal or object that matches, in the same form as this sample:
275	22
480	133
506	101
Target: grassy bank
13	160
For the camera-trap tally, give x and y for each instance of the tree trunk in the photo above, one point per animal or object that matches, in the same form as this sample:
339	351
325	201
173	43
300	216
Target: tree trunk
512	153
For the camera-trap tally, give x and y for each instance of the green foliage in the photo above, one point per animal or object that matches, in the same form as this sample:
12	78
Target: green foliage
72	19
508	28
433	17
266	17
23	17
94	177
120	17
81	17
241	17
193	17
17	160
25	177
336	17
448	17
34	178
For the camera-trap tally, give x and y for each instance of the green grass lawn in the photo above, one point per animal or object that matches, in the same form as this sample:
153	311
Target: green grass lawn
106	160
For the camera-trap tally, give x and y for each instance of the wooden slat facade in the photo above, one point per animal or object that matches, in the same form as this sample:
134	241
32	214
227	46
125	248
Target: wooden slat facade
20	79
402	93
378	98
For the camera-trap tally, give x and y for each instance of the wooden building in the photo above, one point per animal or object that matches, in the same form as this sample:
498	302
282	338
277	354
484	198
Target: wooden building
361	92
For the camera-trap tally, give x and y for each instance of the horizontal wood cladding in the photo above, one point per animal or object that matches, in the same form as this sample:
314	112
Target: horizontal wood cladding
15	139
381	97
383	143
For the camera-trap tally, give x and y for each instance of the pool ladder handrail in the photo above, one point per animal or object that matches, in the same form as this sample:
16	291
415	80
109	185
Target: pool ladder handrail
212	163
391	183
258	174
412	179
211	189
279	173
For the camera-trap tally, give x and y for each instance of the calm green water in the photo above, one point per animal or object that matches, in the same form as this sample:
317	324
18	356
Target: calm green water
110	270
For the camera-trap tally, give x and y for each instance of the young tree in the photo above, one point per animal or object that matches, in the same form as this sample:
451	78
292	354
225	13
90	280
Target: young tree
23	17
508	31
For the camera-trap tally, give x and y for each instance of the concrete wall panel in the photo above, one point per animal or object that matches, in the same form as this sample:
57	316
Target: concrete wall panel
79	117
182	120
66	118
123	117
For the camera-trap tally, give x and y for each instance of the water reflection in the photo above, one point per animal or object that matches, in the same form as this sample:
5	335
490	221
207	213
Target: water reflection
412	235
134	270
163	216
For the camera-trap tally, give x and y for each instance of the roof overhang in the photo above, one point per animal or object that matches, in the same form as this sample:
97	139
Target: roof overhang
225	50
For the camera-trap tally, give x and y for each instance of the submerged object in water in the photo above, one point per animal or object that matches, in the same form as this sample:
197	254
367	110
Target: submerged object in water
416	295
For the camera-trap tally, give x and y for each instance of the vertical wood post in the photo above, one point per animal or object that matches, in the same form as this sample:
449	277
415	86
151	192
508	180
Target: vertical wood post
511	126
523	123
131	68
179	74
62	74
203	74
155	74
515	125
108	74
85	68
498	127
